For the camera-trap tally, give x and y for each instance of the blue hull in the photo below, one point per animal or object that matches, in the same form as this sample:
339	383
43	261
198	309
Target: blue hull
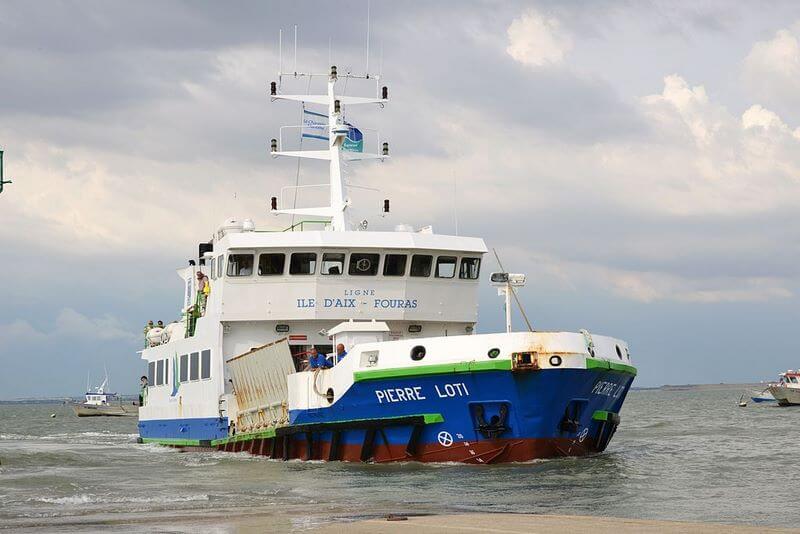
480	416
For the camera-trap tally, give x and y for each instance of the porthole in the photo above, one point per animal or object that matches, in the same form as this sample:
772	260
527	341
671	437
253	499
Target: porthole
619	352
417	353
555	360
494	353
329	395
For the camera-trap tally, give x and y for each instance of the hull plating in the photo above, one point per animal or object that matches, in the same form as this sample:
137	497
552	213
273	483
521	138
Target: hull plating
483	417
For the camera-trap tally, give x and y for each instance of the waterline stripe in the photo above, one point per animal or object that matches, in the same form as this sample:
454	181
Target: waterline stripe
591	363
438	369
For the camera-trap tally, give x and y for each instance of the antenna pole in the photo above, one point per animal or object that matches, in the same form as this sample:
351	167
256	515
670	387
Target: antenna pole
295	49
280	53
367	71
514	293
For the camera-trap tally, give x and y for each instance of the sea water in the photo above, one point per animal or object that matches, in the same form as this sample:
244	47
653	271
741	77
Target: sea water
688	455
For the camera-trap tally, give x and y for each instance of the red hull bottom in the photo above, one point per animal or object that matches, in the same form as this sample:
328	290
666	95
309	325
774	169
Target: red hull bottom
475	452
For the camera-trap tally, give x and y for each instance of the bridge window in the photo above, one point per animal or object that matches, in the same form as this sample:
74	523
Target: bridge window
271	264
421	265
194	366
159	372
445	267
151	374
240	264
364	264
394	264
470	268
213	268
332	263
205	364
184	367
303	263
220	265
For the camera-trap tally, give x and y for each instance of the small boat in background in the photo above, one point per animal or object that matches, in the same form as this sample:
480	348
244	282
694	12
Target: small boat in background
742	402
763	396
787	390
99	403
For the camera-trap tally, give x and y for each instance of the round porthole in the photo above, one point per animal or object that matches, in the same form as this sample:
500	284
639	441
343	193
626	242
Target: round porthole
417	353
329	395
555	360
619	352
494	353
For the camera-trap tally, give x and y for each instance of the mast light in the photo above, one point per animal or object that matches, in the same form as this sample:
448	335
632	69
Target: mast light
386	205
273	88
385	149
333	72
274	203
337	106
273	145
385	93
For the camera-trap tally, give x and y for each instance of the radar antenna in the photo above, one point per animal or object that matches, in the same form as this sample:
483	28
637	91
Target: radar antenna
337	133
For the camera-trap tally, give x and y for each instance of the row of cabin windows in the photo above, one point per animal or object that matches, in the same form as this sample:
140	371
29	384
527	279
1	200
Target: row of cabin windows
359	264
192	366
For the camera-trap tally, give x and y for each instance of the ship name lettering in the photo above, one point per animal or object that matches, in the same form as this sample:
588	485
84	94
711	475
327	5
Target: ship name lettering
399	394
459	389
339	303
604	388
306	303
395	303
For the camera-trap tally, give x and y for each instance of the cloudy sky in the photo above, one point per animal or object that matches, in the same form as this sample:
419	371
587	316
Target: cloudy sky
638	160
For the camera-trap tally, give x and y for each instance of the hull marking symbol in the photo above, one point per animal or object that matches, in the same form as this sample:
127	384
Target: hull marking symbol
582	435
445	438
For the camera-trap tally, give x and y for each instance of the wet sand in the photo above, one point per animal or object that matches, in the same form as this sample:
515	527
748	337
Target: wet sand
539	524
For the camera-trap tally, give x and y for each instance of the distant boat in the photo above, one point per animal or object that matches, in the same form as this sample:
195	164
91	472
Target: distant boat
101	403
742	402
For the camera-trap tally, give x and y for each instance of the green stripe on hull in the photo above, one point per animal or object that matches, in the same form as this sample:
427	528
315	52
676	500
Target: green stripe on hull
438	369
174	442
606	365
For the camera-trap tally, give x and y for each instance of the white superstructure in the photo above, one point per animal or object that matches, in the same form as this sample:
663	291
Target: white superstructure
300	283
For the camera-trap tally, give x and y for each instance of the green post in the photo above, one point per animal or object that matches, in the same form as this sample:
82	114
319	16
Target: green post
2	181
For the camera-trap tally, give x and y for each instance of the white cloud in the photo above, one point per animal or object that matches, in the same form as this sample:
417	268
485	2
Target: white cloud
771	70
536	40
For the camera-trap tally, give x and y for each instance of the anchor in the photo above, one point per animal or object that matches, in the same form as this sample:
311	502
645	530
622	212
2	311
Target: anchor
2	181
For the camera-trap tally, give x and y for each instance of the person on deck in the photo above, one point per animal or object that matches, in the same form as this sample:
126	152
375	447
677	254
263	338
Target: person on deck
316	360
149	326
340	353
160	324
203	290
143	390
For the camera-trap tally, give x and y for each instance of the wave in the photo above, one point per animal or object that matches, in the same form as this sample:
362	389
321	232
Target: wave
89	498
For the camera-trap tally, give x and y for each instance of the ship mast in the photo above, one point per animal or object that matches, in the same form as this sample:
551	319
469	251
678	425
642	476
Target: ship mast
337	131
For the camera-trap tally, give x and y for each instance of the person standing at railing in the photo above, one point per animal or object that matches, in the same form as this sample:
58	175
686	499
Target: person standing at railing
149	326
143	391
340	354
203	291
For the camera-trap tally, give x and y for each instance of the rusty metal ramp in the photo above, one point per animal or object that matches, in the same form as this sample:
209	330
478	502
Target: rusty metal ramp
260	385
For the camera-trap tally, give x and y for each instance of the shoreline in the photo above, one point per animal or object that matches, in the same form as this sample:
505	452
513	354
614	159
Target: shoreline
286	519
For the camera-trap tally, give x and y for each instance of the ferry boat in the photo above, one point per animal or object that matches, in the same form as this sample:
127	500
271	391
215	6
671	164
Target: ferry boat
415	383
787	390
